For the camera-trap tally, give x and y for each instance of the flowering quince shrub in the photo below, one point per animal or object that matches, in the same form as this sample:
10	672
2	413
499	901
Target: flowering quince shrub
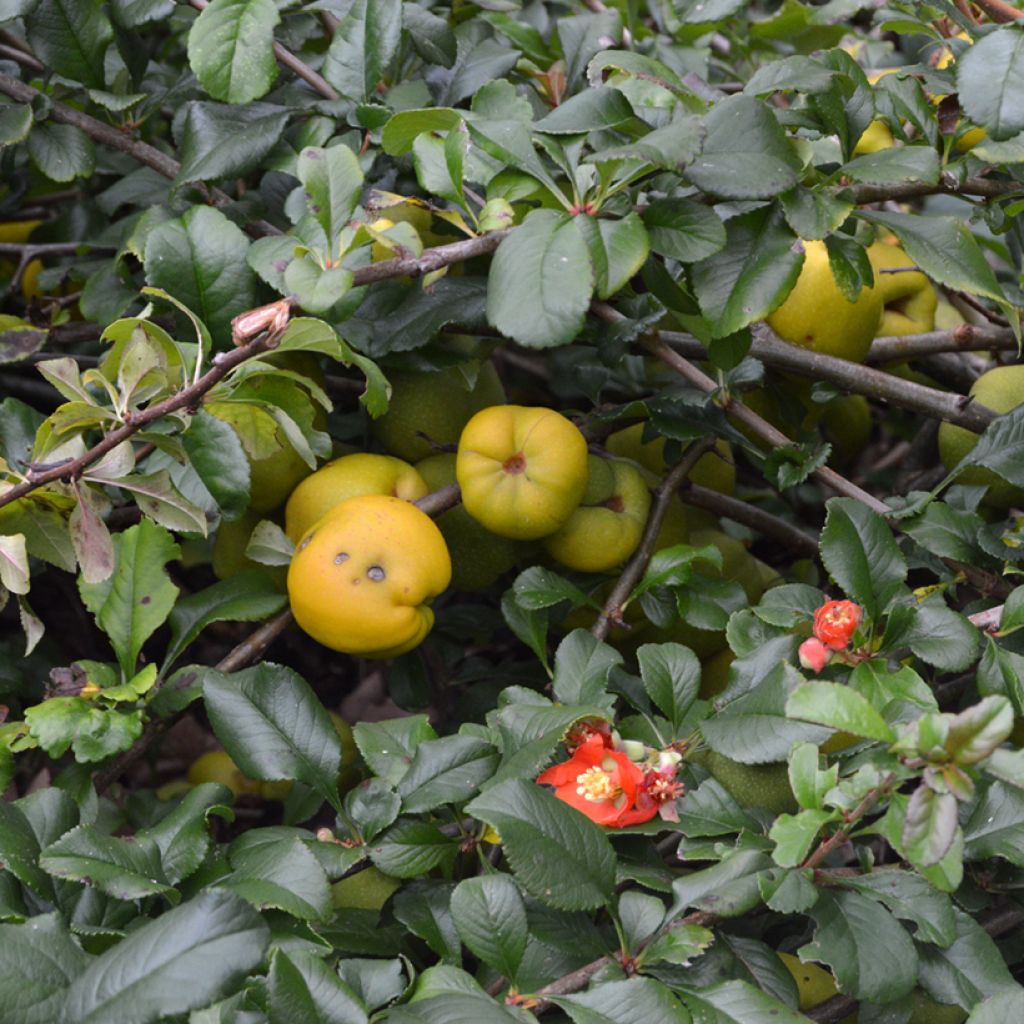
777	737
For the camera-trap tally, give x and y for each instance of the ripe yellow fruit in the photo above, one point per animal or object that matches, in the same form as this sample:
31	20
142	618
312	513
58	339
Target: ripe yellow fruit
816	314
217	766
1001	389
607	525
433	407
716	471
751	785
522	470
875	137
349	477
362	577
479	557
908	299
368	889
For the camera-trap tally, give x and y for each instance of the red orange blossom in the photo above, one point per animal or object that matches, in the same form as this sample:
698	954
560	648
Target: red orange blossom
610	789
835	622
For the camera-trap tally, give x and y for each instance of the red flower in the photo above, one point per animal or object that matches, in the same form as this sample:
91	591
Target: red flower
835	622
814	655
584	729
601	783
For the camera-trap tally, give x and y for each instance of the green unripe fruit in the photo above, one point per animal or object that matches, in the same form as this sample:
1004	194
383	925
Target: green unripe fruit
751	785
366	890
1001	390
437	405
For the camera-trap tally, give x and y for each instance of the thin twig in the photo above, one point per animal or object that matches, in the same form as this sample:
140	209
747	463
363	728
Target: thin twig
22	58
999	11
288	59
985	188
611	614
440	501
792	537
962	338
842	835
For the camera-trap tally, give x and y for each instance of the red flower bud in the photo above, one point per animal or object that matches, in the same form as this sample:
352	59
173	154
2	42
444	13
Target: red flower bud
835	623
814	655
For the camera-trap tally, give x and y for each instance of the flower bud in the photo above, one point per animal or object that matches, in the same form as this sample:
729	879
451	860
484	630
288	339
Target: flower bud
835	623
814	655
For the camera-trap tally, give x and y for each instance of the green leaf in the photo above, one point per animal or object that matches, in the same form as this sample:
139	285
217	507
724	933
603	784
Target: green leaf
19	851
943	247
794	834
739	1002
126	868
966	971
912	899
757	728
364	44
730	887
618	249
1001	447
540	281
38	960
406	126
870	953
71	38
624	1002
92	732
248	597
411	847
270	721
14	570
538	587
752	275
332	179
185	959
798	73
200	259
15	123
859	551
684	230
491	920
814	214
221	141
281	872
895	166
1007	1005
588	111
388	747
61	151
995	827
746	153
557	854
838	707
182	836
316	288
302	988
670	147
582	664
930	826
135	600
709	810
446	770
671	677
158	497
431	35
231	49
217	456
942	637
990	82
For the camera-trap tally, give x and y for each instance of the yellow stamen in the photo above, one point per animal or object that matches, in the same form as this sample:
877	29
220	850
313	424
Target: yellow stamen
596	785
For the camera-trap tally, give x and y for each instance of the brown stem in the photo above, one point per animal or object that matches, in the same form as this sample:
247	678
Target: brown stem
985	188
288	60
962	338
440	501
792	537
431	260
21	57
840	836
999	11
611	614
185	399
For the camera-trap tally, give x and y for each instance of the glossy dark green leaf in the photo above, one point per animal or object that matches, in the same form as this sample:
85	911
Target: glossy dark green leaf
582	664
684	230
990	82
61	151
363	46
622	1002
446	770
912	899
71	37
272	724
746	154
388	747
38	960
303	989
220	140
185	959
200	259
739	1002
751	275
1001	447
838	707
861	555
731	886
540	282
557	854
491	919
230	49
671	677
217	456
411	848
617	248
894	166
587	111
423	907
